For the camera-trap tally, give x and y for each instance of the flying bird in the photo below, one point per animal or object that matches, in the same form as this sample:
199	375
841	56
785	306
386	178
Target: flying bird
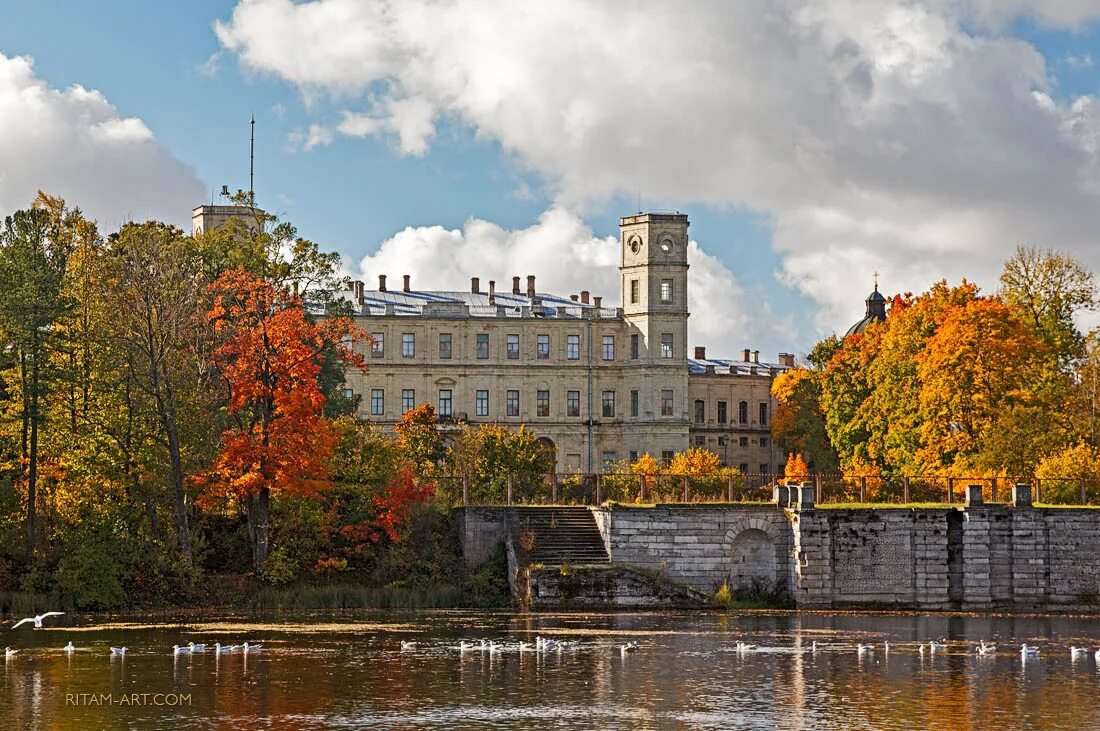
37	620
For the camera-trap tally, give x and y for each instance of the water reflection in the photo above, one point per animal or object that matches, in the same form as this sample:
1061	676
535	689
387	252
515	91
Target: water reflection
687	672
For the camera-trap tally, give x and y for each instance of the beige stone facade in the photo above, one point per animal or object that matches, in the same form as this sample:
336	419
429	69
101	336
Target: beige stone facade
599	382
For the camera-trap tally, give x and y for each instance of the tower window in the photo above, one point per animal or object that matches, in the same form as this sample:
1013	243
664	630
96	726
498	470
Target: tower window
666	345
633	291
666	402
635	346
634	403
666	291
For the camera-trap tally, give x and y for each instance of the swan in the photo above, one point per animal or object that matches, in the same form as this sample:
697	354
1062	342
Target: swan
250	648
1076	652
745	647
524	646
886	646
8	652
1029	650
406	645
494	647
940	645
860	649
196	648
984	648
463	646
920	649
628	647
37	620
813	646
177	650
119	651
69	647
1097	656
221	649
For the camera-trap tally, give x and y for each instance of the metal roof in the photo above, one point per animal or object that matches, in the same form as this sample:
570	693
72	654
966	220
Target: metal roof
474	304
722	367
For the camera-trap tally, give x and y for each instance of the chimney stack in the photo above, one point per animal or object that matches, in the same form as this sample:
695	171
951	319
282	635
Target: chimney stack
756	356
492	291
786	359
475	285
531	286
596	301
357	289
745	355
405	283
381	282
584	296
574	297
515	285
700	352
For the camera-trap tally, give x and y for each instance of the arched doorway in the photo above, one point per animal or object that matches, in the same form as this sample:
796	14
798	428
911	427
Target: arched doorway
753	570
551	452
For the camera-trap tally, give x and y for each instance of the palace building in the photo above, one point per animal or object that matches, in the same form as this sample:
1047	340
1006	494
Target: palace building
597	382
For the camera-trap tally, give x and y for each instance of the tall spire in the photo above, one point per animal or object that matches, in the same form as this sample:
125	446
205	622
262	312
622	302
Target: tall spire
251	158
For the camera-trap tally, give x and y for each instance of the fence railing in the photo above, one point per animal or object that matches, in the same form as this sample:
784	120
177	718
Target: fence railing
595	488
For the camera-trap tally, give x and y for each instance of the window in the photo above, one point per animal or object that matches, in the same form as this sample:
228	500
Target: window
700	441
445	402
377	402
513	347
666	402
634	342
573	347
607	347
744	467
634	403
700	411
608	459
763	441
444	345
572	403
377	345
482	349
666	345
634	455
743	442
763	413
349	393
609	403
511	402
542	403
408	400
763	469
408	345
633	291
722	412
481	403
542	347
666	457
743	412
666	291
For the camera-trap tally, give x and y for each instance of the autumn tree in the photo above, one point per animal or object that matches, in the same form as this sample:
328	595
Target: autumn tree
695	462
268	359
799	423
419	438
490	454
795	470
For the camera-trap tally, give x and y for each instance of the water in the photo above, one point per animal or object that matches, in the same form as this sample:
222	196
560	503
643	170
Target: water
349	672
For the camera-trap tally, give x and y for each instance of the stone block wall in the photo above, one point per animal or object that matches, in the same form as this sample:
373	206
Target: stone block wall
481	530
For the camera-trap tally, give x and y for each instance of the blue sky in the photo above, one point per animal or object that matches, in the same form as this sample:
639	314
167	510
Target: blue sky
791	273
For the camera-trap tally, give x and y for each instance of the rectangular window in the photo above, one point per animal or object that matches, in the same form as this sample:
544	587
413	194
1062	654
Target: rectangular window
513	347
634	403
607	347
666	402
408	400
573	347
542	403
634	347
763	441
743	412
608	459
666	345
408	345
634	455
377	345
722	415
444	346
666	456
744	467
445	406
511	402
763	413
666	291
349	393
572	403
700	441
609	403
743	442
482	349
700	411
481	403
377	402
633	291
763	469
542	347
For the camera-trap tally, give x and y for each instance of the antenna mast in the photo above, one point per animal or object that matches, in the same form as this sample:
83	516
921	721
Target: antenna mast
251	158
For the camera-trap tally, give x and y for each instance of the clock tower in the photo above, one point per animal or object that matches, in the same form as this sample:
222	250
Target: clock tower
653	279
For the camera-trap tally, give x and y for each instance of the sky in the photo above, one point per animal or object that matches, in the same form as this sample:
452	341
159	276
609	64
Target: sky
811	142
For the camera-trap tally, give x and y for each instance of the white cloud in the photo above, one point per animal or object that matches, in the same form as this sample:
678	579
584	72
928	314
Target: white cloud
75	144
877	134
566	257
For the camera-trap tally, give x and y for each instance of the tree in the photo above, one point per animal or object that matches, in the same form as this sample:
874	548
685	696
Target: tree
695	462
795	470
35	246
490	454
799	423
419	438
269	360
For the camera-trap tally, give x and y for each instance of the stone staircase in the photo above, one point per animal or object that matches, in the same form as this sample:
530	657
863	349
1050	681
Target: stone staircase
561	536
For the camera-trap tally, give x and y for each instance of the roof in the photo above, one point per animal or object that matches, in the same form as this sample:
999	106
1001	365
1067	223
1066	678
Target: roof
733	367
476	304
876	312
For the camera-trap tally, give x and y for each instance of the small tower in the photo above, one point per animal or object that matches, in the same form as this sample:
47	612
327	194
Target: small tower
653	281
876	311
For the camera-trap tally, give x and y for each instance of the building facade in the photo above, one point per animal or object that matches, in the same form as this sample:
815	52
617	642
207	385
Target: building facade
597	383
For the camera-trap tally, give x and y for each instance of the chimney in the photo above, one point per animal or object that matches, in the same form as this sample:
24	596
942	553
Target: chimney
475	285
700	352
756	356
745	355
584	296
492	291
405	283
786	359
531	285
357	288
381	282
596	301
573	297
515	285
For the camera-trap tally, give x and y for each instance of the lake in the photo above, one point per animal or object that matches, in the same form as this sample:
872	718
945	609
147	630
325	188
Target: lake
349	671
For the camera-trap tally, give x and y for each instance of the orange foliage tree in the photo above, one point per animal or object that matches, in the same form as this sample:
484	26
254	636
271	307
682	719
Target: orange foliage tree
795	470
269	359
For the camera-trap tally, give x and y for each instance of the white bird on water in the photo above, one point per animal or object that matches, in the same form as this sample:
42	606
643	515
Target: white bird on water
196	648
745	647
1097	656
1029	650
813	646
221	649
984	648
525	647
464	646
1076	652
119	651
250	648
177	650
861	649
886	646
936	646
628	647
406	645
8	652
37	620
69	647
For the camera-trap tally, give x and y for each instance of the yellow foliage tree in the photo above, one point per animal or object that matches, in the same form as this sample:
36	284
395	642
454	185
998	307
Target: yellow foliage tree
695	462
795	470
1061	473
